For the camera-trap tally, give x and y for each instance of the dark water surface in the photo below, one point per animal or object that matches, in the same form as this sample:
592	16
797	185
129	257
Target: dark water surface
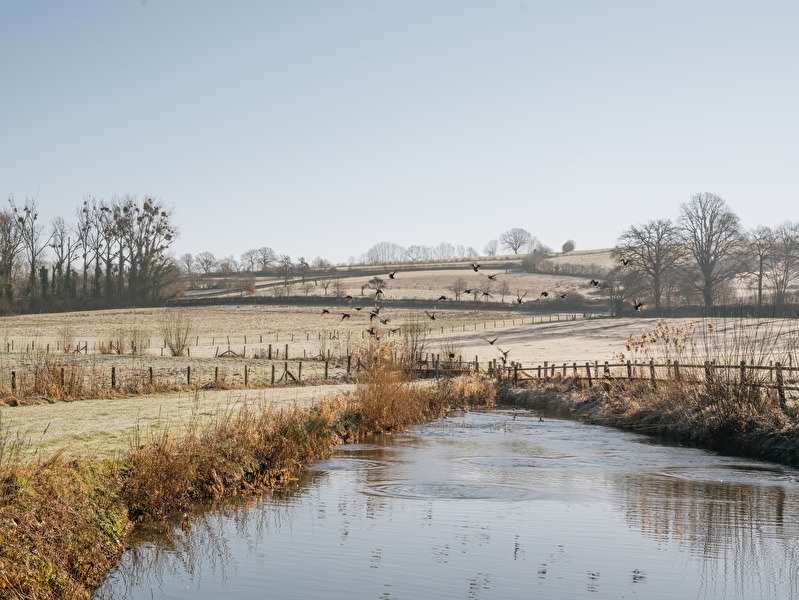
491	505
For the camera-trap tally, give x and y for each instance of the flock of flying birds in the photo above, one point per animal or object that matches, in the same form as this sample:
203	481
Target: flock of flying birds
374	310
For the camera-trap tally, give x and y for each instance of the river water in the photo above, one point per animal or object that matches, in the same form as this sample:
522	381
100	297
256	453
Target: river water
490	505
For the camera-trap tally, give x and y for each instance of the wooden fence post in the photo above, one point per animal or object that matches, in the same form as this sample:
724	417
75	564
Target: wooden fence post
546	370
13	381
652	373
588	371
273	373
216	375
113	378
780	386
743	372
326	364
606	375
677	370
151	376
299	372
188	375
349	363
246	376
515	373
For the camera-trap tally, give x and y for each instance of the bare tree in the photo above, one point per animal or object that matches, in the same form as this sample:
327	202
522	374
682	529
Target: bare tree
457	287
206	262
491	248
187	264
653	250
10	242
30	232
64	248
266	256
504	290
84	234
621	287
321	263
515	239
384	252
712	234
784	266
415	252
250	260
761	245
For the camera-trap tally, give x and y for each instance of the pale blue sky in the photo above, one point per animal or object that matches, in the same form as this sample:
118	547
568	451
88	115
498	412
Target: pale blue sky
321	128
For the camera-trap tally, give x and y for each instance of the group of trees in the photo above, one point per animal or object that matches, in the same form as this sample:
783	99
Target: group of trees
113	254
701	256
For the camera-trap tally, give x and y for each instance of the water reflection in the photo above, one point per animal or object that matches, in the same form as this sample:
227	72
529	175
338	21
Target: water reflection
491	505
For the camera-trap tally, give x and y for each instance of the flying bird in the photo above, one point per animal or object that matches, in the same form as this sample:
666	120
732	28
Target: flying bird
624	261
493	277
491	342
325	311
520	298
562	296
594	282
384	321
442	298
475	266
345	316
392	274
431	316
487	295
544	295
637	305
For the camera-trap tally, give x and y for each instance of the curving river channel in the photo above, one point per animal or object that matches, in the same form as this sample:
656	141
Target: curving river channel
491	505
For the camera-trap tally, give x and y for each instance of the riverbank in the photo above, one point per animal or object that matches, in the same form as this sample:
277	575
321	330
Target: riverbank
64	520
753	426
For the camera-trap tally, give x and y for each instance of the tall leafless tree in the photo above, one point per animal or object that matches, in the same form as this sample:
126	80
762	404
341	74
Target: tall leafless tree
206	261
32	241
515	239
653	250
761	246
784	267
713	237
10	242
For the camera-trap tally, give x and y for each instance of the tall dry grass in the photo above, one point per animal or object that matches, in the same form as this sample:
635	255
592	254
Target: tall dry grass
733	410
62	524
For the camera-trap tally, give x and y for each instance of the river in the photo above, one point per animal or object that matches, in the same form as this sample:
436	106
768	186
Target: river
483	505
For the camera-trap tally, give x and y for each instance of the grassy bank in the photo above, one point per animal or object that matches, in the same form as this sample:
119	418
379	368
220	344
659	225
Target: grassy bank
63	524
717	420
732	411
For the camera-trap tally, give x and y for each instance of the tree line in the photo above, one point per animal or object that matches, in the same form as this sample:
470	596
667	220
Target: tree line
704	257
110	254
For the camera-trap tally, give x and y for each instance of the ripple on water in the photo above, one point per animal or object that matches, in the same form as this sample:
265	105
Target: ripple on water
540	461
449	490
346	464
758	474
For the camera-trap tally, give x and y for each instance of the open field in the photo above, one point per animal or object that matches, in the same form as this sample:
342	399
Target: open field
104	426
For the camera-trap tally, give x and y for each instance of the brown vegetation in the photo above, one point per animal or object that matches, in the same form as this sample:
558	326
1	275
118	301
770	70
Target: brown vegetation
62	523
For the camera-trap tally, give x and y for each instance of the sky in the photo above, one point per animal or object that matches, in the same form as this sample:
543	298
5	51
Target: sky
320	128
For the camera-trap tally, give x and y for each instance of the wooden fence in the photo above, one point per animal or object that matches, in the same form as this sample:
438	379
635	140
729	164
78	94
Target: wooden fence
274	344
773	376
